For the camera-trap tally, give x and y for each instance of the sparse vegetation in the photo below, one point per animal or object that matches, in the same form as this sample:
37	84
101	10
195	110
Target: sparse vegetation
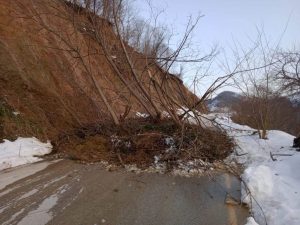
283	117
12	124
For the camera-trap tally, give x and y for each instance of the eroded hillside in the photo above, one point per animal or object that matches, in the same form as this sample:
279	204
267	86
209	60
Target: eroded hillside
47	90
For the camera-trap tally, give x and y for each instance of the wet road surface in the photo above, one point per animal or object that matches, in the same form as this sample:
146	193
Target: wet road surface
69	193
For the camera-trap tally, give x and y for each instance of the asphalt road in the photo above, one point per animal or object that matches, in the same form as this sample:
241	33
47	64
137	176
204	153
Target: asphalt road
69	193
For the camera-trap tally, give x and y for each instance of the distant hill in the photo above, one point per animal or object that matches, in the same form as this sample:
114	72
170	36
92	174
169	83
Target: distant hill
225	99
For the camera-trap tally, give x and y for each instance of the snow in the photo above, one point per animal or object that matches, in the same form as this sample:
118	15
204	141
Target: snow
42	215
192	168
22	151
142	115
213	105
16	113
271	187
251	221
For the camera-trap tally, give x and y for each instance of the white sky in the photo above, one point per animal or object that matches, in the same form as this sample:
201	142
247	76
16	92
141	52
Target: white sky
228	20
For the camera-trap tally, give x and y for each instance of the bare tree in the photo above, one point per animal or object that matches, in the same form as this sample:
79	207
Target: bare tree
287	71
283	114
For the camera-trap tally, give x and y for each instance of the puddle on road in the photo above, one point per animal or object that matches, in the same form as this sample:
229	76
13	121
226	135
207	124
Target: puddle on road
41	215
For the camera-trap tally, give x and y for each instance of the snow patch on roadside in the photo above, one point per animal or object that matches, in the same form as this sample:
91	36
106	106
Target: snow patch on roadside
22	151
271	176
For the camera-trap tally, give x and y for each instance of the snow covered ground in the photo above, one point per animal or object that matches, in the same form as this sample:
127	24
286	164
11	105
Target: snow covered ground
22	151
271	186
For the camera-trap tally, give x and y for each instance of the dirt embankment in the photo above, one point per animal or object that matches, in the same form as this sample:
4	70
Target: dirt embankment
44	91
47	91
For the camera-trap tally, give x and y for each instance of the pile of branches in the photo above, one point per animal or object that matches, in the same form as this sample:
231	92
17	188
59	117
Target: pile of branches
142	141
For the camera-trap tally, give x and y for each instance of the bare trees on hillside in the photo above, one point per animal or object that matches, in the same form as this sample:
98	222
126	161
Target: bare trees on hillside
255	85
257	97
265	90
282	116
288	71
138	58
84	31
148	60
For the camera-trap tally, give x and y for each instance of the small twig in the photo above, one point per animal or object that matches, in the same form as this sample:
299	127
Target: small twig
282	154
278	154
241	154
120	159
272	157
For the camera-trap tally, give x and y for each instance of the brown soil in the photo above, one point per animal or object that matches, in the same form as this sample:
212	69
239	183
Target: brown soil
48	87
139	140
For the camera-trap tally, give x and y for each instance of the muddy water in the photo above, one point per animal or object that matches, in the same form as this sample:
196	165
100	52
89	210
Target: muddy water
69	193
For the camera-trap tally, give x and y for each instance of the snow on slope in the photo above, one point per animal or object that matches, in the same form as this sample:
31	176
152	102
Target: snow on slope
251	221
22	151
274	185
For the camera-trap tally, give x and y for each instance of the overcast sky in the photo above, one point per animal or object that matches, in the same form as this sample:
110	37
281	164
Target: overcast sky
225	20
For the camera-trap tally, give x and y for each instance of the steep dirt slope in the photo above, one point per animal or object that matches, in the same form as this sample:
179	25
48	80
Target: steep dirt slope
44	91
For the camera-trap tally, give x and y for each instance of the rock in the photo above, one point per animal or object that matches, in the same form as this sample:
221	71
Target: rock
229	200
296	142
